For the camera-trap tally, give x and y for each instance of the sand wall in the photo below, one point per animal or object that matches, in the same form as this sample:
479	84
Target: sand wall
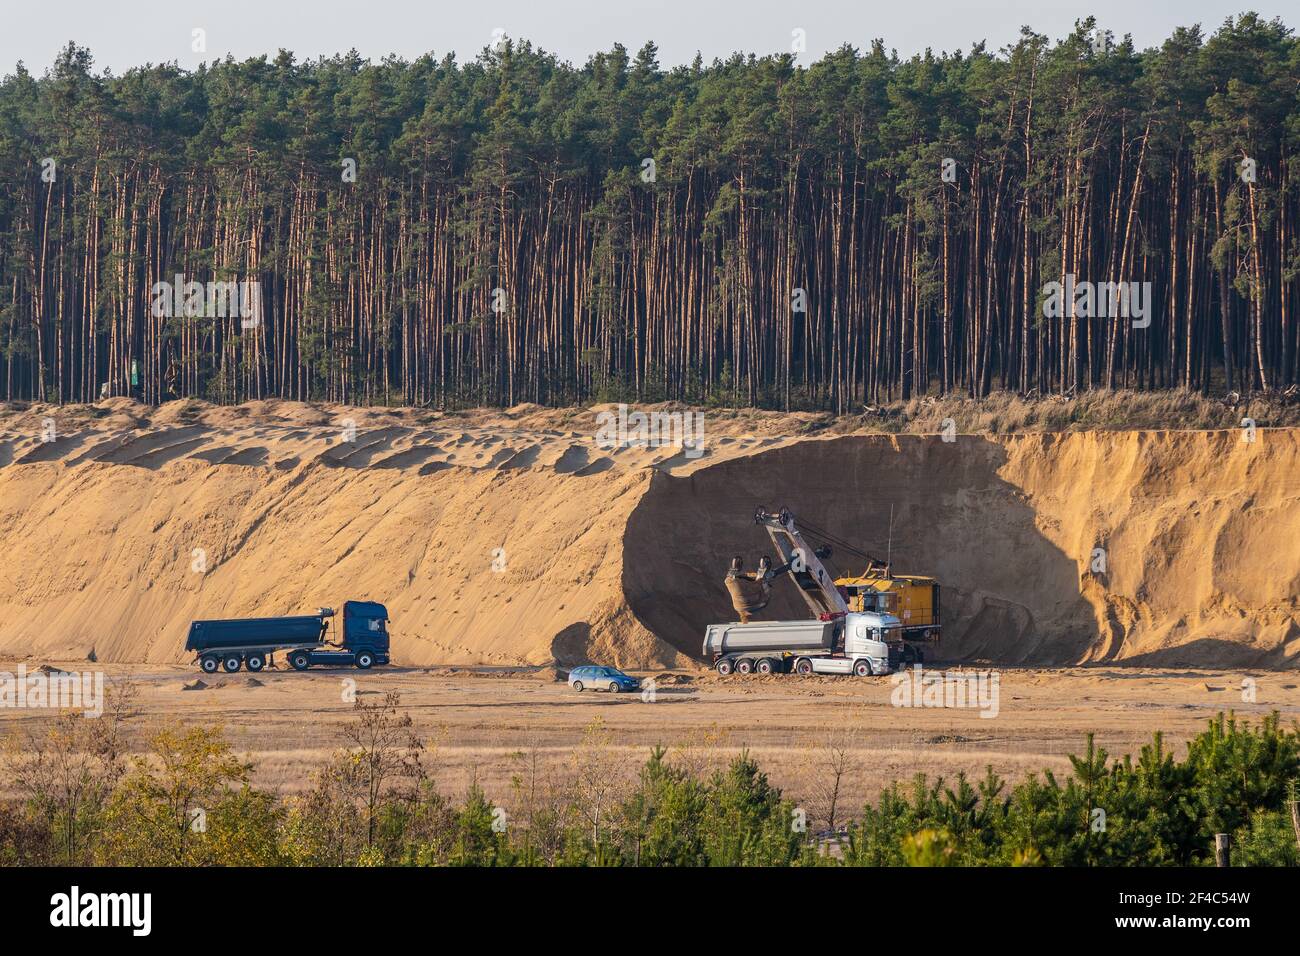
504	541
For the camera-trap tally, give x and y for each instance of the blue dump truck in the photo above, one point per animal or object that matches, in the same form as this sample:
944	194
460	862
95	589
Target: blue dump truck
250	643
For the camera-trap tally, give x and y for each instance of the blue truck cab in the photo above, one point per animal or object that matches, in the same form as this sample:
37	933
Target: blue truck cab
251	642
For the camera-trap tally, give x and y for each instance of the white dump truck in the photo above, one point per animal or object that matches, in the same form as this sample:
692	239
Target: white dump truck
836	641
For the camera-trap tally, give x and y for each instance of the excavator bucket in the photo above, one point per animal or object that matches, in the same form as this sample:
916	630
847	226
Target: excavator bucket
749	592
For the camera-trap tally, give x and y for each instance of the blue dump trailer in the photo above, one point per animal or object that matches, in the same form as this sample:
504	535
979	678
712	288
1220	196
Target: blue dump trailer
230	645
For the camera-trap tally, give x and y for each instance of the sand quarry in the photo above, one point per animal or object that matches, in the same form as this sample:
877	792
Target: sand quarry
509	545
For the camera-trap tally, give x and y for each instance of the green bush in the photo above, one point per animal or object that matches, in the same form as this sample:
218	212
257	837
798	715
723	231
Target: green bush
1155	810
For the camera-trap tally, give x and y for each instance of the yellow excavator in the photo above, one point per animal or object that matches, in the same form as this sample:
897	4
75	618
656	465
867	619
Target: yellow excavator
912	598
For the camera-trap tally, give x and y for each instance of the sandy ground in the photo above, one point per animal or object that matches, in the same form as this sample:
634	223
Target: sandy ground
488	724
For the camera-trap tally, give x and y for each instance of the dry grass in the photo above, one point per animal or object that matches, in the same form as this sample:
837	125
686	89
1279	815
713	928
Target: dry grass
998	413
1005	413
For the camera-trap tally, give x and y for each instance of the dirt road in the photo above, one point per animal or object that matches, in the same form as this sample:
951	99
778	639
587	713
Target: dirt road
487	724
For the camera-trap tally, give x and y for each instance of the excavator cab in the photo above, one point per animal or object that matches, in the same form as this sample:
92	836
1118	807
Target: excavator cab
860	598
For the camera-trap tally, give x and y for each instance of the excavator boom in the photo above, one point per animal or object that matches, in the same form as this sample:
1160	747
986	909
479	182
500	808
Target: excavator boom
802	563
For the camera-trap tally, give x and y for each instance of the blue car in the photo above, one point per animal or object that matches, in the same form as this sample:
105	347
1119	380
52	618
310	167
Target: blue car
598	677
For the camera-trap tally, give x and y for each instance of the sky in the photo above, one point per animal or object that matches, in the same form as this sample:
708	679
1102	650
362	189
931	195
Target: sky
126	33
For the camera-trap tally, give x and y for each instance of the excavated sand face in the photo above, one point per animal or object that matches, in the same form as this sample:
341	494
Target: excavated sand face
515	538
1199	533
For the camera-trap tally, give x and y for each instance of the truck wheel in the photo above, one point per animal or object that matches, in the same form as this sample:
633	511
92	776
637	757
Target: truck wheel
920	656
365	660
724	667
209	664
255	662
577	685
803	666
744	666
764	666
613	687
299	661
863	669
231	663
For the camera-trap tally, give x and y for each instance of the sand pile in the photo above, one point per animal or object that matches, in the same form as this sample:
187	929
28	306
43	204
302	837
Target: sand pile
514	538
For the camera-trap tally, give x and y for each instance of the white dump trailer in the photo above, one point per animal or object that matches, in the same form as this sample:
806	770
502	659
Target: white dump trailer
853	644
722	639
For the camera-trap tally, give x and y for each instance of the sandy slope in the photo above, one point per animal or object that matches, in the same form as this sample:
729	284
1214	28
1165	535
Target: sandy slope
512	538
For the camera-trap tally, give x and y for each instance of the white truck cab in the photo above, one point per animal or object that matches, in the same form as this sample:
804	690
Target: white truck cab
864	651
865	633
